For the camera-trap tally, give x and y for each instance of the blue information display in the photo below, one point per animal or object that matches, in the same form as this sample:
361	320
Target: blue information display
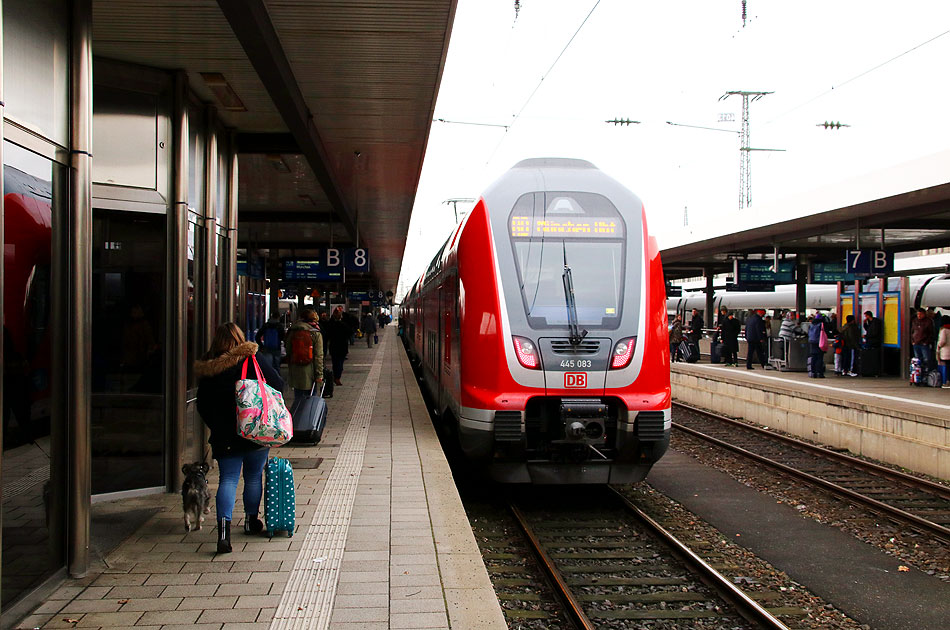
869	262
760	272
311	270
826	273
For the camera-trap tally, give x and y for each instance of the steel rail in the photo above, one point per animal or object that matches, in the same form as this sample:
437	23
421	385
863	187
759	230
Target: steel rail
573	607
926	526
745	605
895	475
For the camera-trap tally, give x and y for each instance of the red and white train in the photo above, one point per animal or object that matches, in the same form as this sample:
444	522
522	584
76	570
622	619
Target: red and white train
541	329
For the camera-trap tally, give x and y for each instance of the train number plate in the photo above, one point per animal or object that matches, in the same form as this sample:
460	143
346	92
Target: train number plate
575	380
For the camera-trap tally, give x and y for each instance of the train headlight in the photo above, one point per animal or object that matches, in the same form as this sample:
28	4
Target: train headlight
527	353
623	352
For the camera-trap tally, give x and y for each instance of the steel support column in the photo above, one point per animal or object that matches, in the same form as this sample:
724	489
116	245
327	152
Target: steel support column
710	296
79	460
229	282
209	323
178	287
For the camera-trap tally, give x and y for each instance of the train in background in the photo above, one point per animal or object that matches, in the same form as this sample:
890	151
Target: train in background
540	331
925	291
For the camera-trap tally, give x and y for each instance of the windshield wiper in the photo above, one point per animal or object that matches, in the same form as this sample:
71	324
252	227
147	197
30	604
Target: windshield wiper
576	335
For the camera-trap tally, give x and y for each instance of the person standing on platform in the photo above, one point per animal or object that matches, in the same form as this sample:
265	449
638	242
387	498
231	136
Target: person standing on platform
305	354
730	340
873	331
268	338
787	333
921	336
676	338
850	344
368	326
943	351
755	338
696	327
217	372
337	335
816	356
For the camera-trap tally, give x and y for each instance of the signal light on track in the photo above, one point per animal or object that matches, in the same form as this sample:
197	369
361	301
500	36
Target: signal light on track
527	353
623	352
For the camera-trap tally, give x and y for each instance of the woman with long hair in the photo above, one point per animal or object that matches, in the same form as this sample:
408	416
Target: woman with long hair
218	371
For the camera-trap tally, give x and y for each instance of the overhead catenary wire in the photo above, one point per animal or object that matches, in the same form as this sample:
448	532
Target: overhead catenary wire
543	77
858	76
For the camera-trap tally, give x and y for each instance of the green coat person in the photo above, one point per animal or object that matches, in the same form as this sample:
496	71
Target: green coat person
305	353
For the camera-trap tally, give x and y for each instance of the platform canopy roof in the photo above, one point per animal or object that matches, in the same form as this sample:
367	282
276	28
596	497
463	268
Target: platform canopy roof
904	208
336	102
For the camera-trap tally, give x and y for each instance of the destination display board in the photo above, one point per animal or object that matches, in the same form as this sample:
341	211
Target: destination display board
831	272
760	272
295	270
574	227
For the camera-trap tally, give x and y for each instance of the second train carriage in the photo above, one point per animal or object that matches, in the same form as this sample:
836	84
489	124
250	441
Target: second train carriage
540	328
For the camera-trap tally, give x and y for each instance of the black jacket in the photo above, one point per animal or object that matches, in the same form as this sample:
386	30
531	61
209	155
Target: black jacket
754	328
875	332
696	327
216	402
336	333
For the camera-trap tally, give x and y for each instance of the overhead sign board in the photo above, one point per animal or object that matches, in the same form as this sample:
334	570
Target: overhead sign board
830	272
869	262
761	272
296	270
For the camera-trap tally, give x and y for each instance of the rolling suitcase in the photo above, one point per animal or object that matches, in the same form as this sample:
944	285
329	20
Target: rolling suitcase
310	416
689	351
715	352
280	508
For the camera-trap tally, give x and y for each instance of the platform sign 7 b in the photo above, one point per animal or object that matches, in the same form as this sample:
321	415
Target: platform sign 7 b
869	262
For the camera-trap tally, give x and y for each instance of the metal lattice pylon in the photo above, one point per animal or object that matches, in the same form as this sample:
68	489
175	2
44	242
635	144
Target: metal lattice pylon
745	162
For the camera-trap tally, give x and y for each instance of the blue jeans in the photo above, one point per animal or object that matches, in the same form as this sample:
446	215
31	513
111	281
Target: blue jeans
229	469
924	352
272	356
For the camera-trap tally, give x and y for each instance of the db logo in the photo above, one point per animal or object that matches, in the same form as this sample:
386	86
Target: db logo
575	380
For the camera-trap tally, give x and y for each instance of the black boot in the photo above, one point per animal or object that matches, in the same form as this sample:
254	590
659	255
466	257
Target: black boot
224	535
253	525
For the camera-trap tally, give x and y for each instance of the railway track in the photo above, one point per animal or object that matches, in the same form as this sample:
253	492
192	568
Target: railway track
918	503
613	566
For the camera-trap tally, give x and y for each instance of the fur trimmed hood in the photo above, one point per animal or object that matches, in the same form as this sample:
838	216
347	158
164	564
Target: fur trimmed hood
226	361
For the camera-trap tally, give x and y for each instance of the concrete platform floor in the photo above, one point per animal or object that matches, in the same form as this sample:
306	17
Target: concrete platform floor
381	541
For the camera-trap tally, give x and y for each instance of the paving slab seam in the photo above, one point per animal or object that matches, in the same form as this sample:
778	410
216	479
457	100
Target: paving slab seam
307	599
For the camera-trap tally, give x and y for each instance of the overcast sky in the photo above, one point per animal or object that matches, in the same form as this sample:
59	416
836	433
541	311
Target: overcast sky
671	60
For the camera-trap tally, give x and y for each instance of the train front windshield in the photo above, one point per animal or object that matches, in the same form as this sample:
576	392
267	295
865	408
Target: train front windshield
552	231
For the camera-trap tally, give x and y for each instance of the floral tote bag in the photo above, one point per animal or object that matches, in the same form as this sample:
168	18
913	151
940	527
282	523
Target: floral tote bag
262	416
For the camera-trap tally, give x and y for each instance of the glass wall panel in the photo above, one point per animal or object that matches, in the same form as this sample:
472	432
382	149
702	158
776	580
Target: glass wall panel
35	198
128	353
36	66
125	137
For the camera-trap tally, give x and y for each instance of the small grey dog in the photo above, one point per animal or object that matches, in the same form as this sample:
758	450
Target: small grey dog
195	496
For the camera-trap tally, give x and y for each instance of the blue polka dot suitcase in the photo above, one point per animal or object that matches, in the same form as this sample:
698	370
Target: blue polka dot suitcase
280	508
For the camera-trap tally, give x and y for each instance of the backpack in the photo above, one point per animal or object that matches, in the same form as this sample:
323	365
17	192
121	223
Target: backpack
301	347
270	338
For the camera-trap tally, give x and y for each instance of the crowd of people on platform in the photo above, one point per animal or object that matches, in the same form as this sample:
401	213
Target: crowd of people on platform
856	345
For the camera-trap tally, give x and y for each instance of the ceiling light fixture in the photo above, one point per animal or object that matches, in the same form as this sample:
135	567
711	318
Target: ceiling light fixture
223	91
